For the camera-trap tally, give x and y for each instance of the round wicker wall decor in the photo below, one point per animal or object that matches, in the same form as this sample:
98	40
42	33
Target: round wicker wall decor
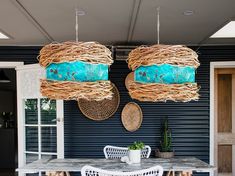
100	110
132	116
129	79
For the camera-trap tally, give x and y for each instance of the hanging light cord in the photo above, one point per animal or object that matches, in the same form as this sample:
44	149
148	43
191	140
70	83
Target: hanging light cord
158	25
76	26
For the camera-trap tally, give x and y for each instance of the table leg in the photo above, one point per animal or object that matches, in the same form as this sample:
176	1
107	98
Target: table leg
57	174
186	173
67	173
171	173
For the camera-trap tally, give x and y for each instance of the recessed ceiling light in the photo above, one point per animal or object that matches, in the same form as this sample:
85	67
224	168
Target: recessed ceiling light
3	36
80	12
228	31
188	12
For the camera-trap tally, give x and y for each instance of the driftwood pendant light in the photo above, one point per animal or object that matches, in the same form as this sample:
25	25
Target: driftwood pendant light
76	70
163	72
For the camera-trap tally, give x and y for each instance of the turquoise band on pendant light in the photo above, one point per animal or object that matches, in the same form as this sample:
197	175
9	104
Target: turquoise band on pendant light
77	71
165	74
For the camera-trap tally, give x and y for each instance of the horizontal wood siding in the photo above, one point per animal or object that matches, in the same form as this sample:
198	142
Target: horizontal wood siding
189	121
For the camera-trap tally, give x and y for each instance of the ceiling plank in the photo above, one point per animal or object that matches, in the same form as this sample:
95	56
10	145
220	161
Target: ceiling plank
32	20
105	21
134	16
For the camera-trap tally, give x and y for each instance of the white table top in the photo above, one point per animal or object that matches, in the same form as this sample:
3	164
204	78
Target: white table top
75	165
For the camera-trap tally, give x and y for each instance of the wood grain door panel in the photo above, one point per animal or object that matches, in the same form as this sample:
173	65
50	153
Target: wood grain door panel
225	121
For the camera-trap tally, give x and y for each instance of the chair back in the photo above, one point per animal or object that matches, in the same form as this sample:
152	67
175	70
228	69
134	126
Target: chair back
145	153
93	171
114	152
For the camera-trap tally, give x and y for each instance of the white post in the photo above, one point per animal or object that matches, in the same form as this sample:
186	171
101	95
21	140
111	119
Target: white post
60	128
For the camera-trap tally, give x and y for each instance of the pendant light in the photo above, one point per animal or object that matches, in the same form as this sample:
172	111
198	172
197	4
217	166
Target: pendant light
76	70
163	72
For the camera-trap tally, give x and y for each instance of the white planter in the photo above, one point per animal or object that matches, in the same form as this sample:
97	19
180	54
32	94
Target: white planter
135	156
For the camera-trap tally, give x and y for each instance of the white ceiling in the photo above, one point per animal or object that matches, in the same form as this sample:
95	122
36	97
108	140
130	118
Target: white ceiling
31	22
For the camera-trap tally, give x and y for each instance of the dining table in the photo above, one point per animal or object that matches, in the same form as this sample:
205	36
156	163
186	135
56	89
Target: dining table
75	165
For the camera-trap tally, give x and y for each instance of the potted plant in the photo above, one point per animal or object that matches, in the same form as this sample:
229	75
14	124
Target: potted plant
165	143
135	152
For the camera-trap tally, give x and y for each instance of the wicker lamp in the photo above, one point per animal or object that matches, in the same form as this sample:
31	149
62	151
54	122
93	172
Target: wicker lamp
163	72
76	70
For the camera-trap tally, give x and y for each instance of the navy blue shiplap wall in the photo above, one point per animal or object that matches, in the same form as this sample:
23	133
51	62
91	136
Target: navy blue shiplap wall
189	121
26	54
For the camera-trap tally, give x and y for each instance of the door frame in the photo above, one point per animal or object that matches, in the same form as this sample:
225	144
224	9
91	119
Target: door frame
12	65
60	120
213	66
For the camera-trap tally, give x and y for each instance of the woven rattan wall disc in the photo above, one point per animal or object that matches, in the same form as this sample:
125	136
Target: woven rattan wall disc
100	110
129	79
132	116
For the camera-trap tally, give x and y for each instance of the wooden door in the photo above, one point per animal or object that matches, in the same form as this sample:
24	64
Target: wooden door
225	121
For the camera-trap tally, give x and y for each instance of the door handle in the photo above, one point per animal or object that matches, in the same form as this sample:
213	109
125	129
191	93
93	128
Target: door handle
60	119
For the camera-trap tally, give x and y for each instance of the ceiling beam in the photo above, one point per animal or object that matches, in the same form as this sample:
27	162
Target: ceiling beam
134	16
32	20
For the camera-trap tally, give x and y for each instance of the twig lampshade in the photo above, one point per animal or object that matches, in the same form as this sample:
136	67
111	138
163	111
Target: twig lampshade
163	72
76	70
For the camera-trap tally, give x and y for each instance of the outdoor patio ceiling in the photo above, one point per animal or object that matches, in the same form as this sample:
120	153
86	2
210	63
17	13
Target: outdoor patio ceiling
120	22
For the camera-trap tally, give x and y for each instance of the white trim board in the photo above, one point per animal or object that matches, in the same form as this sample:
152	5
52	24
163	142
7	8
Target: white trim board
29	66
10	64
213	65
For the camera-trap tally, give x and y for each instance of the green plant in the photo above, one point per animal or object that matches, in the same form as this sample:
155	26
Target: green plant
136	146
166	137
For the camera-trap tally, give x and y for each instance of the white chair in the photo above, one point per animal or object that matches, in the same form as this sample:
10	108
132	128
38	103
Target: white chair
113	152
93	171
145	153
